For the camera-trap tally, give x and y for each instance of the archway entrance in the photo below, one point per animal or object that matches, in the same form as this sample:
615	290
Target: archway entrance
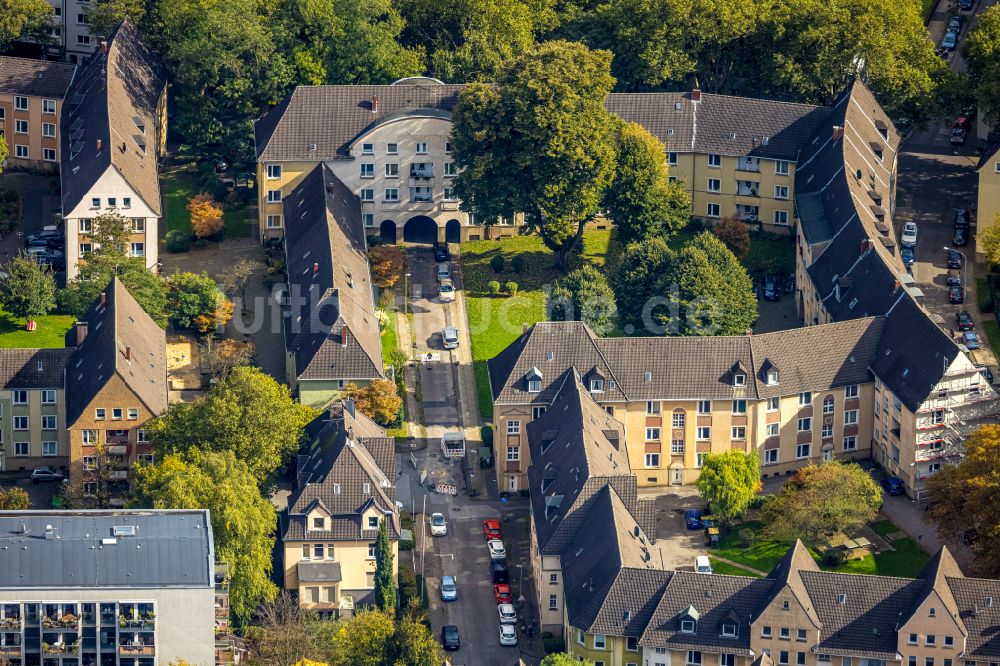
387	231
453	231
420	229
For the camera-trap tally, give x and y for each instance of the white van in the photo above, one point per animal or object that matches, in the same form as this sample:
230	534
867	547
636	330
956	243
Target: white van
702	565
443	271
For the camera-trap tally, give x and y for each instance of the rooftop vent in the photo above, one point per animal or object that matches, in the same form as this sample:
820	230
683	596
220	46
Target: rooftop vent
677	106
841	599
764	140
123	530
312	146
647	376
627	616
550	356
988	602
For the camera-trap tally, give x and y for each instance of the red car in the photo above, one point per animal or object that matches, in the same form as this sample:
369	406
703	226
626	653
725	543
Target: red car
491	528
502	593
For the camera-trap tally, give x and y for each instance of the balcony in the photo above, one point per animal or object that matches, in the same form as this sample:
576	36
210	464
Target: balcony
67	621
136	650
61	649
118	449
10	623
118	474
751	164
747	188
116	437
748	213
421	171
10	649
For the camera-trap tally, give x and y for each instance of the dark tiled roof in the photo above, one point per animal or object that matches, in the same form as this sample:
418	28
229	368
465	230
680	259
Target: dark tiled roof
332	470
114	100
573	458
714	598
816	357
333	330
121	339
318	572
37	78
329	117
991	149
763	128
33	368
981	622
629	602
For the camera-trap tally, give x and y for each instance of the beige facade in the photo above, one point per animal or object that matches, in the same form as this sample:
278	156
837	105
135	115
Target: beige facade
989	196
30	126
33	429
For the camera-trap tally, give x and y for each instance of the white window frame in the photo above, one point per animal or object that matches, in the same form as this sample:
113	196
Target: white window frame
273	171
392	170
770	456
714	185
781	218
513	427
799	448
804	421
652	434
773	404
851	417
48	106
653	408
367	170
853	440
851	391
781	167
704	407
678	420
805	399
391	195
48	396
274	221
274	196
714	160
713	210
421	148
771	429
781	191
20	103
651	460
367	194
50	449
704	433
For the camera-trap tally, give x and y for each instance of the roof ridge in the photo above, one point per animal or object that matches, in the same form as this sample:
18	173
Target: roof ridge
765	99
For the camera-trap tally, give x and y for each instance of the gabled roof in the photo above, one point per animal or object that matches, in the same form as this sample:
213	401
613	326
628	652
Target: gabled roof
991	149
333	330
33	368
35	78
935	575
786	575
344	473
121	340
113	101
978	603
576	449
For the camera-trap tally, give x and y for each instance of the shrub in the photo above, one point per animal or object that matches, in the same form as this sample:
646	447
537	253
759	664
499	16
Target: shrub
233	201
493	288
552	644
200	242
517	264
746	538
832	557
496	263
510	288
177	241
374	240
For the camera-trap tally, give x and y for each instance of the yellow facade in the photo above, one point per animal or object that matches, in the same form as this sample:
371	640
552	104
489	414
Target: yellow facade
989	199
284	177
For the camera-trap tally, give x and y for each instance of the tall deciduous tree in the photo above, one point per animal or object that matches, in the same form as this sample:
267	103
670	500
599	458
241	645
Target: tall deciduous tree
415	645
990	240
385	584
3	152
378	400
195	301
104	16
286	634
365	640
965	499
238	277
981	50
247	413
29	290
822	499
110	234
386	264
584	295
641	199
24	19
145	286
729	482
206	215
636	283
243	521
538	142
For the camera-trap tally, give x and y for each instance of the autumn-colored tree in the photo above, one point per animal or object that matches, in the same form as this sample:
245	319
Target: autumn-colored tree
226	354
14	499
378	400
206	215
734	233
386	262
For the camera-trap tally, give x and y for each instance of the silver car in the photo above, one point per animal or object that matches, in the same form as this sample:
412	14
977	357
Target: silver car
449	591
449	337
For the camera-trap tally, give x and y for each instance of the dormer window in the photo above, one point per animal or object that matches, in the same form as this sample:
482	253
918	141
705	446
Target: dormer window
772	377
319	523
739	379
688	626
689	620
596	385
729	630
534	385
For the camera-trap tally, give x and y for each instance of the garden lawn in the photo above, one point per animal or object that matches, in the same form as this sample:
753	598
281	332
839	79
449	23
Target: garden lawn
390	342
884	527
726	569
49	334
178	189
992	332
496	321
770	252
762	555
905	561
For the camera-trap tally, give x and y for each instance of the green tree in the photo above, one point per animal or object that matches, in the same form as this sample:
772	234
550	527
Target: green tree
584	295
195	301
564	659
538	142
641	199
981	51
24	19
247	413
385	584
709	291
821	499
14	499
110	235
243	521
729	482
106	15
990	240
97	272
965	495
365	640
3	152
29	291
636	281
414	643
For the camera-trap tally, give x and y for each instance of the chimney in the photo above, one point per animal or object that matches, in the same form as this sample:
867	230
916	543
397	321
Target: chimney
50	532
374	104
524	328
104	296
316	267
838	132
98	146
343	335
128	353
81	332
696	93
104	47
349	406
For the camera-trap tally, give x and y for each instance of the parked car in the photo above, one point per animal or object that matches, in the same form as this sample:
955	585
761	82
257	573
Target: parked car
501	592
970	340
500	573
449	637
702	565
950	40
446	291
963	122
491	529
964	321
906	254
449	591
441	252
439	526
909	236
958	135
497	551
893	485
44	474
954	259
954	278
955	24
443	272
507	614
449	337
961	238
508	635
770	288
987	373
962	218
966	5
692	517
221	165
955	295
972	110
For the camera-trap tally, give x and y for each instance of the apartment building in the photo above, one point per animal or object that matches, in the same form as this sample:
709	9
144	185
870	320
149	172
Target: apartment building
116	380
331	330
988	206
31	99
113	132
128	588
345	488
33	409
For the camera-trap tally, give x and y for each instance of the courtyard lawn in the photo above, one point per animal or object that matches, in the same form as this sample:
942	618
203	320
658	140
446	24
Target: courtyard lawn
49	334
905	561
495	322
884	527
762	555
178	188
727	569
